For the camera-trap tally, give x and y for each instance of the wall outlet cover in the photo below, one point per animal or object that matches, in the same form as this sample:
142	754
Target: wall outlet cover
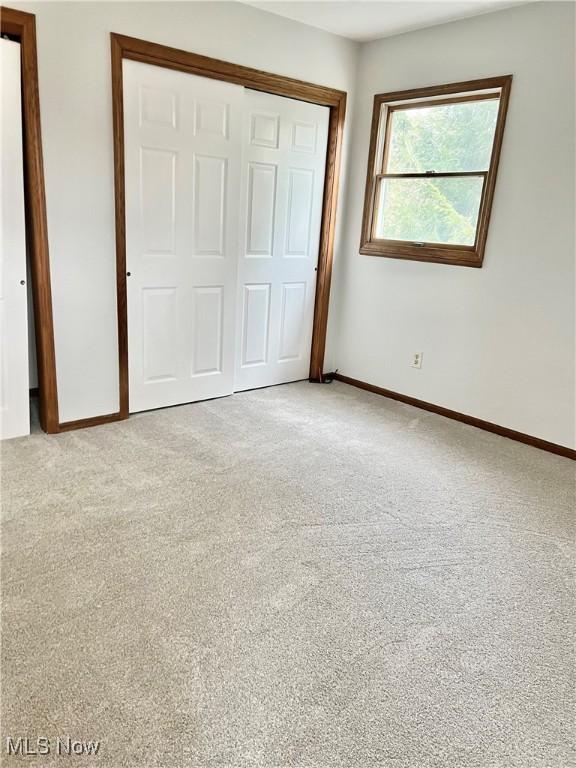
417	360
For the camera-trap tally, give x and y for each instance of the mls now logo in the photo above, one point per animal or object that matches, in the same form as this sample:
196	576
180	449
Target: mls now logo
28	747
42	745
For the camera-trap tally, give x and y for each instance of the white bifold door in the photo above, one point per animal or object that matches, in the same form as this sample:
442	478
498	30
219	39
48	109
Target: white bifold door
182	159
224	192
283	167
14	373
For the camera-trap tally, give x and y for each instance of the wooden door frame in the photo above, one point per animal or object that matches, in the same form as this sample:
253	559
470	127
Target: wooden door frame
21	26
160	55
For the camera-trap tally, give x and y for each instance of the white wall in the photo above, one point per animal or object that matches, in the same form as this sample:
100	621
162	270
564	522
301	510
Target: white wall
498	342
76	113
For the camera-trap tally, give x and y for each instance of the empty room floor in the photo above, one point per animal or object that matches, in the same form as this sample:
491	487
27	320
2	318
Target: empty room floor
304	575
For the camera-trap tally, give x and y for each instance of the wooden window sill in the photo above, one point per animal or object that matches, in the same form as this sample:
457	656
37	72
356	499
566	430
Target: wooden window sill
455	255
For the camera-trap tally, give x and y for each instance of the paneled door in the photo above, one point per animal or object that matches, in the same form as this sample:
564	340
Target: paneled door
182	160
283	168
14	375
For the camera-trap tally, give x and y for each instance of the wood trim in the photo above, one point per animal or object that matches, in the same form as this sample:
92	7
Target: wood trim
396	249
123	47
327	236
442	102
196	64
431	175
482	84
386	148
120	223
488	426
22	27
440	253
426	246
92	421
370	188
490	185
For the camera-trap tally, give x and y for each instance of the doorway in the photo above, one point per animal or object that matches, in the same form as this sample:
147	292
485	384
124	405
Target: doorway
222	327
14	379
25	236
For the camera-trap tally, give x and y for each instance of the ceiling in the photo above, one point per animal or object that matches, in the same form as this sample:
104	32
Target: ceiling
370	19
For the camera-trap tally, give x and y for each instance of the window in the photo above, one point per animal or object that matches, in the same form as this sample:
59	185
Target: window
432	171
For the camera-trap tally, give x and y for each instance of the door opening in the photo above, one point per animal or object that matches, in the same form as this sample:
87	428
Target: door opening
14	373
202	355
20	29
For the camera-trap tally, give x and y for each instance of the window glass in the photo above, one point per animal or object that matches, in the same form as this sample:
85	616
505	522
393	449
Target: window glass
443	138
429	210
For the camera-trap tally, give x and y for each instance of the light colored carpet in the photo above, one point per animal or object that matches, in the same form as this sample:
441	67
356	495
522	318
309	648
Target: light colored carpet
305	575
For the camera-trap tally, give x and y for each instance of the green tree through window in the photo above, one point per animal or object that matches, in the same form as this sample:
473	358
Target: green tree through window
448	138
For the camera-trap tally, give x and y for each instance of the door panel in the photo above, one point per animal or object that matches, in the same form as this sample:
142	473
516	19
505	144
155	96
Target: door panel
283	168
256	320
300	200
158	181
182	154
160	326
209	205
207	352
261	196
14	372
292	321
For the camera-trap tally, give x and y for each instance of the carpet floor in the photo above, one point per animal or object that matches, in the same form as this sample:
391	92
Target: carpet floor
302	576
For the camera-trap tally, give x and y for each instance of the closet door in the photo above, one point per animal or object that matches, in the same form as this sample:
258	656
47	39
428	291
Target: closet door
283	168
14	394
182	155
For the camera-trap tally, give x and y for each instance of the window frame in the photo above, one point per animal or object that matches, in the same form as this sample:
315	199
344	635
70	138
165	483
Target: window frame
443	253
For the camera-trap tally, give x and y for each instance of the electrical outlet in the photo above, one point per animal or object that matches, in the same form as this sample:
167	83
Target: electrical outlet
416	360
